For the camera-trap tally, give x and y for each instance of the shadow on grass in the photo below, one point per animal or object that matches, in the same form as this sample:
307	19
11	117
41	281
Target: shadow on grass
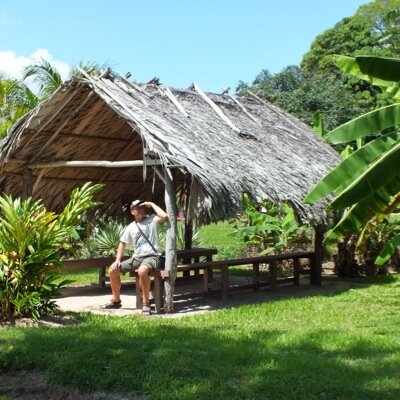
167	360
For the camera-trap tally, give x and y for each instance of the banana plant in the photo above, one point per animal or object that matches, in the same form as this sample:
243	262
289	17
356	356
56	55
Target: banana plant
272	230
367	182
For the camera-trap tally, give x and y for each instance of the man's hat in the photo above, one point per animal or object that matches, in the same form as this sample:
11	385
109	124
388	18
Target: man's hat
136	203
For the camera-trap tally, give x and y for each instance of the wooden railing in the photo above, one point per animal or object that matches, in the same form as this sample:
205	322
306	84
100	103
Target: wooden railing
194	256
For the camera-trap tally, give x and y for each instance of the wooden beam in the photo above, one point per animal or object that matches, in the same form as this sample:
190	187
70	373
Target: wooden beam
38	179
94	164
101	85
90	115
217	109
49	119
27	183
170	243
60	128
77	179
174	100
244	109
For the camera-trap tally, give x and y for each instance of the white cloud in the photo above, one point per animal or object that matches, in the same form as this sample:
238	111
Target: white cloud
13	65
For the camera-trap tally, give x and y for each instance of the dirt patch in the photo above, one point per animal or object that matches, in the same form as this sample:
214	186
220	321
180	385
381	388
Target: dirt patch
54	321
33	386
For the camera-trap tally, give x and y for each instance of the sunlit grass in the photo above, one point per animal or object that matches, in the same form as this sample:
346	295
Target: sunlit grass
219	236
339	346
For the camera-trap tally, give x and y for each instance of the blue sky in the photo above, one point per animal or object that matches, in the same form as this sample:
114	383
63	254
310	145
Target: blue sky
215	43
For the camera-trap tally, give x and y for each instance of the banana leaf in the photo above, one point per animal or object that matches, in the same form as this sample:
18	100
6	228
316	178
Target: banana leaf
358	67
388	251
366	124
384	68
362	212
376	176
352	167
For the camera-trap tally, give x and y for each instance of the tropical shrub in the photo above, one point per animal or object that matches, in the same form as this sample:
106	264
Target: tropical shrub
272	230
104	241
31	241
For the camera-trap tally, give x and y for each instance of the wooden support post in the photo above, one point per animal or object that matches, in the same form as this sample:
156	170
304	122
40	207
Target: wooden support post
296	271
157	294
102	276
316	262
188	233
272	274
206	280
256	276
170	245
209	270
225	282
27	183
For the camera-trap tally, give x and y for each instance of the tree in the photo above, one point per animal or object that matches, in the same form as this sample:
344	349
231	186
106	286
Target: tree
304	93
367	183
317	86
49	79
346	37
15	100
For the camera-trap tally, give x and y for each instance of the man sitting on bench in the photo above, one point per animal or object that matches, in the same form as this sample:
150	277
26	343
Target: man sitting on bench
142	234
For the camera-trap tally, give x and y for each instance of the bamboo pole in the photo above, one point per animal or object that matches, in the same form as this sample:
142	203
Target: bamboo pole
244	109
216	109
175	101
95	164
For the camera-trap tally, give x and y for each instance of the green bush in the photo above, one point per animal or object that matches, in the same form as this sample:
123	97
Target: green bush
31	241
272	230
104	242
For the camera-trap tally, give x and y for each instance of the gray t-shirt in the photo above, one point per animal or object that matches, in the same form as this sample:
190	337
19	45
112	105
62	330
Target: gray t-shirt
132	236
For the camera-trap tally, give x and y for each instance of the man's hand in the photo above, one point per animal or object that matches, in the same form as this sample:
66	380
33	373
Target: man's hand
115	266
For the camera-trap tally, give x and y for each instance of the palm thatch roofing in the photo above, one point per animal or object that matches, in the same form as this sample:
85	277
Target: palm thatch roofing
214	146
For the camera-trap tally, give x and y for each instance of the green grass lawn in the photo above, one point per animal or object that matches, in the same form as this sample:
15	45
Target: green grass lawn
219	236
341	346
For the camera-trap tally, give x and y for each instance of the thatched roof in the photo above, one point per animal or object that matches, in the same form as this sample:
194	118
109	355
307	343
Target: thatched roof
241	145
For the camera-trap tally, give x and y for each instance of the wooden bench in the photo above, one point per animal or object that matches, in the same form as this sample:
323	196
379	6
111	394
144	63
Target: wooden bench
189	256
272	261
195	264
192	257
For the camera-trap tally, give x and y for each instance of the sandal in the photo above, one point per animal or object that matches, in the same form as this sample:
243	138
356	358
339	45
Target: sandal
146	309
113	304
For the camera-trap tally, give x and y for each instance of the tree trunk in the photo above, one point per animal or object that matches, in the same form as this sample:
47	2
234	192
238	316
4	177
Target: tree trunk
345	262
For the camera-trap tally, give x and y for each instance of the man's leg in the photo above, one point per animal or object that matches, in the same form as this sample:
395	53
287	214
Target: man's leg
144	282
115	283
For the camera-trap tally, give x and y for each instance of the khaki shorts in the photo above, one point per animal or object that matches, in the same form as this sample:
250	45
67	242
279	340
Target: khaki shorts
135	262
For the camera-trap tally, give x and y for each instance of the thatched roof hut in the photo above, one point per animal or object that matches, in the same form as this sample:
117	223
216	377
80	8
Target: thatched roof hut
124	134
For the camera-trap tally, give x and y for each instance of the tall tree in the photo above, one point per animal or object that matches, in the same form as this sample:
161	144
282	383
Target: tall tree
303	93
318	86
15	100
45	76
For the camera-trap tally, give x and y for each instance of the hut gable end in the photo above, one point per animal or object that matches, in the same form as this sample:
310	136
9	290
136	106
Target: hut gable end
227	145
